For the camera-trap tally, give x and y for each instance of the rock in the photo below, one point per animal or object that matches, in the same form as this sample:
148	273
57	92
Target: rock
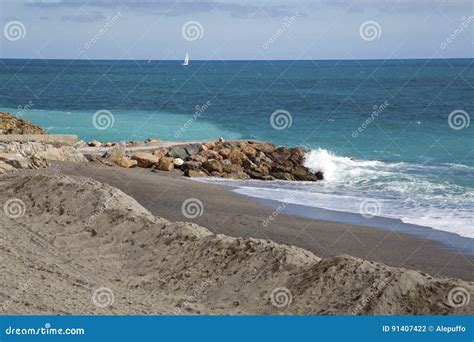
178	162
193	149
249	151
258	175
221	140
145	159
195	173
210	145
264	147
125	162
197	158
114	154
225	152
18	161
213	165
237	175
297	156
191	165
95	143
4	167
237	157
42	150
248	164
319	175
80	144
12	125
161	152
203	148
283	176
280	155
178	152
166	164
209	154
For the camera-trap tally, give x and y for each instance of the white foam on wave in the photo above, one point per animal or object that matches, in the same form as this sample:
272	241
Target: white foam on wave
403	191
337	168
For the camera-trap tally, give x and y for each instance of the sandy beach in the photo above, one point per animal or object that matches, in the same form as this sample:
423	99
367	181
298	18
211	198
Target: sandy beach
225	212
83	247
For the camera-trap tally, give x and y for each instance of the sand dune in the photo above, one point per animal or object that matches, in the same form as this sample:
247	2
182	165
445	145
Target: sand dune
75	246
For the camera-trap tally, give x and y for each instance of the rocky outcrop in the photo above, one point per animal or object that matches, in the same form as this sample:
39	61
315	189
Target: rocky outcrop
33	155
12	125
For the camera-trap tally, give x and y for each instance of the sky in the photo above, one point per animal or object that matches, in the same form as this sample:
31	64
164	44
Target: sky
237	30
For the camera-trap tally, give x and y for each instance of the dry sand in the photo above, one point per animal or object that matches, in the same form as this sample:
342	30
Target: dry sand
78	244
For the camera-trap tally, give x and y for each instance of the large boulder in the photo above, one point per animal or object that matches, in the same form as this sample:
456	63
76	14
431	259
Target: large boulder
125	162
145	159
249	151
213	165
193	149
264	147
237	157
115	154
160	153
178	152
195	173
166	164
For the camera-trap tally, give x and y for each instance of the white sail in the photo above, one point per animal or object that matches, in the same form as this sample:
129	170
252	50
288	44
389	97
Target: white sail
186	59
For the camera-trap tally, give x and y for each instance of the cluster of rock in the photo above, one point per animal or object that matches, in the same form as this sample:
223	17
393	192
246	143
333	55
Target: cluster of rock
226	159
33	155
12	125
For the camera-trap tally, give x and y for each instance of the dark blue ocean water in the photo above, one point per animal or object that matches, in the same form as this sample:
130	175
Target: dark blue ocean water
380	130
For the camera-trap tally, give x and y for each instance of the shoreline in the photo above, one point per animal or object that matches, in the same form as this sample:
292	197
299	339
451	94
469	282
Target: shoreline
452	241
233	214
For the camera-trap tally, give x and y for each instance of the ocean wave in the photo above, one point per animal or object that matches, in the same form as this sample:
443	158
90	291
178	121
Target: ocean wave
414	193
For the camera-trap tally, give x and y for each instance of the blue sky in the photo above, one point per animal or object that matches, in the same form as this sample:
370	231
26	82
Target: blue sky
230	29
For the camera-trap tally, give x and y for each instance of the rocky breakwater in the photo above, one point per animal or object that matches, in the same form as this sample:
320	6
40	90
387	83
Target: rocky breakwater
225	159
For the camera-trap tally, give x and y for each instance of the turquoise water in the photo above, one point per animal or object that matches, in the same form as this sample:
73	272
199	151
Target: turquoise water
380	130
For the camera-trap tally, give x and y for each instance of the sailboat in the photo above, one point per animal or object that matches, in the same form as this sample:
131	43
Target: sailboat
186	59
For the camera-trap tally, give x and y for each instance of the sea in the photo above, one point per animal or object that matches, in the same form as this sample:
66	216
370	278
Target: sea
392	137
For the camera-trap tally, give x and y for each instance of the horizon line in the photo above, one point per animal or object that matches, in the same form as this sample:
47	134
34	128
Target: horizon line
235	60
